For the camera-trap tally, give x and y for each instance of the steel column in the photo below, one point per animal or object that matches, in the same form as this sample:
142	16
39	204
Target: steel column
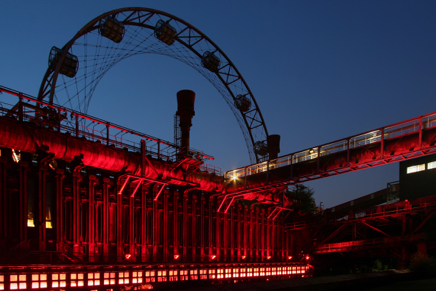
131	228
3	197
185	225
262	235
239	230
24	168
165	229
60	204
225	235
251	233
176	250
41	202
217	235
77	178
144	230
232	233
193	227
92	217
258	237
106	222
245	231
202	228
119	226
155	225
211	228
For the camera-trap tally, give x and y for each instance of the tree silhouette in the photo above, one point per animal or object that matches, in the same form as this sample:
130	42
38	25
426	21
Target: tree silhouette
302	198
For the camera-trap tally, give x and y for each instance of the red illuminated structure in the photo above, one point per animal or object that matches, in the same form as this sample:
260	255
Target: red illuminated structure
397	142
89	205
79	197
64	207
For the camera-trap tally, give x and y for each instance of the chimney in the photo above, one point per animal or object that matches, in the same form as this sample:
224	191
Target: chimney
185	110
273	146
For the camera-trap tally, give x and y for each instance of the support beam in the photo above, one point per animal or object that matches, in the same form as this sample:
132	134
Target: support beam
374	228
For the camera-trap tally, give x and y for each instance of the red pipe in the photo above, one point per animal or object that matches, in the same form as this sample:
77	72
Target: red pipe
29	138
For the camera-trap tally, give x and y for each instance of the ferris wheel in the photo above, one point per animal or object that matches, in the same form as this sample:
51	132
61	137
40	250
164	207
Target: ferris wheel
75	70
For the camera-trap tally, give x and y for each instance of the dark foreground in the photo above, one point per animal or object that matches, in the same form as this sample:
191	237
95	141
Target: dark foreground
415	285
378	281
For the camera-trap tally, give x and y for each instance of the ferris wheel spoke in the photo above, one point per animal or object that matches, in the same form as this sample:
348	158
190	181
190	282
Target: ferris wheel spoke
147	31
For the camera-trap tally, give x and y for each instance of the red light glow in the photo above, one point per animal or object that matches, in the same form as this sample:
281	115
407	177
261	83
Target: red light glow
290	258
176	257
128	256
213	257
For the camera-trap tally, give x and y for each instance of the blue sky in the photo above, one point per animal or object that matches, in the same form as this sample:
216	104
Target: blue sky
319	70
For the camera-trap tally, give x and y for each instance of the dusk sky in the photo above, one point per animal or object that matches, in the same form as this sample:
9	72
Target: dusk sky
319	71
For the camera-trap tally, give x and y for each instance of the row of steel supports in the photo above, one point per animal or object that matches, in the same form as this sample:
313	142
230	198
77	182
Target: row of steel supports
392	230
81	214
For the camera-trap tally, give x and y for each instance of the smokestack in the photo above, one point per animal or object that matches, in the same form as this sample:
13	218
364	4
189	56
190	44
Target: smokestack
185	110
273	146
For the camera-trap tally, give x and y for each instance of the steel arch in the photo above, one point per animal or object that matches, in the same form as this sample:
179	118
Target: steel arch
250	120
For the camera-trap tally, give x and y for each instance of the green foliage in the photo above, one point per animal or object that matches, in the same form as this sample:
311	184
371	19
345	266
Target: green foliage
423	265
302	198
378	265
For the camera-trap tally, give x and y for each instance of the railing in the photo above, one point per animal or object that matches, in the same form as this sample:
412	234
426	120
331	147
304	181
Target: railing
377	212
63	120
342	246
368	243
211	169
408	127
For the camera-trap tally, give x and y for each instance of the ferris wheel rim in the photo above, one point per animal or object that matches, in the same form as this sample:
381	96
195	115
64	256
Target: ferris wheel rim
51	76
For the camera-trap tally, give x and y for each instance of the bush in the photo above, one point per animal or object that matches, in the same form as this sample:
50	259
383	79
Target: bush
423	265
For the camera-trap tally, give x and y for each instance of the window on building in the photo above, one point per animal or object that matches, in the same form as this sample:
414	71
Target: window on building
109	278
149	276
77	279
39	281
58	280
203	273
173	275
194	274
228	273
18	282
136	277
212	274
161	276
123	278
93	279
220	273
431	165
184	275
416	168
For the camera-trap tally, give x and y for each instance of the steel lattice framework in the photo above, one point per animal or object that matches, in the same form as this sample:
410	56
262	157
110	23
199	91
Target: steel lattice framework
142	32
